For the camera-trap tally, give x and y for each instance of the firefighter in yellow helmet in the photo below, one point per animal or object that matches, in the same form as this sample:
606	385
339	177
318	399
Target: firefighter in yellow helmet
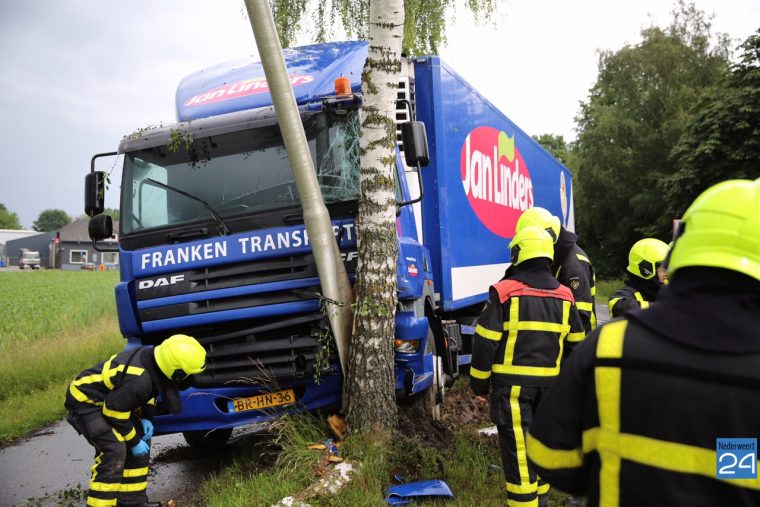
529	324
646	276
112	405
638	411
571	266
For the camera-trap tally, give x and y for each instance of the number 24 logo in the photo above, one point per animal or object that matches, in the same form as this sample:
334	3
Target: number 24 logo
747	462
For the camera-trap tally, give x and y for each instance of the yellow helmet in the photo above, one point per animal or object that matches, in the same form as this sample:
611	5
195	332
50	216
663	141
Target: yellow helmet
180	356
541	218
646	256
529	243
721	229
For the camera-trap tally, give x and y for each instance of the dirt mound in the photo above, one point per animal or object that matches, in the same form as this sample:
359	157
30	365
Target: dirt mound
460	408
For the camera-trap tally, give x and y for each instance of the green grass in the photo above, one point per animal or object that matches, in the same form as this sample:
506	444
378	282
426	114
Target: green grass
45	302
52	326
462	462
605	288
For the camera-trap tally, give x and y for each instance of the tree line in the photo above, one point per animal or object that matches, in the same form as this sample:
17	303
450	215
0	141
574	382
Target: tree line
48	220
667	118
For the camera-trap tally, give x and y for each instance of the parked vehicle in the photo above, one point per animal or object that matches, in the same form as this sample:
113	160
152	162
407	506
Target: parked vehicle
28	259
251	295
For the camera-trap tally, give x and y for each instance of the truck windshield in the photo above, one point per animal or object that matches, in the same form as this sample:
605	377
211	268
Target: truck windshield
239	173
31	256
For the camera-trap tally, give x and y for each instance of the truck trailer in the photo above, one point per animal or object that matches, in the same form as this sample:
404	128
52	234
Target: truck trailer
213	245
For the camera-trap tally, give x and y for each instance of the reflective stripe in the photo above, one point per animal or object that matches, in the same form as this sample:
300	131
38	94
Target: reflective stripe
514	316
544	488
612	303
533	325
553	459
131	488
135	472
514	325
522	489
522	458
118	435
105	486
584	307
517	503
576	337
130	435
99	502
645	304
88	379
81	397
608	380
151	401
106	373
479	374
487	333
115	414
583	258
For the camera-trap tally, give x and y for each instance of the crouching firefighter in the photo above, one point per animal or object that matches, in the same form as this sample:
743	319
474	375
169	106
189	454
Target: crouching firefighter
112	405
529	324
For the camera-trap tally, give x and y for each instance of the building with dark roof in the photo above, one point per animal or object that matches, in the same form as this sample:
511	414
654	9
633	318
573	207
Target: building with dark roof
69	249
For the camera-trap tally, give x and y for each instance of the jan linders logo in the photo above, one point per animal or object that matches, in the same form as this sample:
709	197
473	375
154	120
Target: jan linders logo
242	89
496	179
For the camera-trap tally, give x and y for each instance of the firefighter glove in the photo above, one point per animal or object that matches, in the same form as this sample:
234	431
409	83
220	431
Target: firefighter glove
141	449
147	430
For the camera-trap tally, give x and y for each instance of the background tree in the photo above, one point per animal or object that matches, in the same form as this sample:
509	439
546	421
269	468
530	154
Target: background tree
424	27
723	140
636	112
51	220
8	219
554	144
112	212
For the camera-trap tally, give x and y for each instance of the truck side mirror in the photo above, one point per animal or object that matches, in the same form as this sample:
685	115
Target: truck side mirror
414	137
94	193
100	227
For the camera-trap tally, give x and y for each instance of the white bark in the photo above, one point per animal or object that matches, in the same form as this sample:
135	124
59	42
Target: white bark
369	393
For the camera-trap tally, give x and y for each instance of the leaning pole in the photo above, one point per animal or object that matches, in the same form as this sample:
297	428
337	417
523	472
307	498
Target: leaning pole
336	287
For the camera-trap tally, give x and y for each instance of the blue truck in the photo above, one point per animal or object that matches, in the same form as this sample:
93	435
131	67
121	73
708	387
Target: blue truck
212	241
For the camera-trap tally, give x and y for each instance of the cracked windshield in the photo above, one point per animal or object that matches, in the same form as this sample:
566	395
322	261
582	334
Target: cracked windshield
236	174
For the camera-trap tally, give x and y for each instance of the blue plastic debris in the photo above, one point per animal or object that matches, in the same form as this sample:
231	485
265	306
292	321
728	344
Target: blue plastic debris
331	447
403	494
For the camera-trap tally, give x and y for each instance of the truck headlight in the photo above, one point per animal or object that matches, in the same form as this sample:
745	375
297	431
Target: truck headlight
406	346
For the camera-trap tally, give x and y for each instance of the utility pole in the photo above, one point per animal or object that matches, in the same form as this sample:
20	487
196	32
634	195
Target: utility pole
332	272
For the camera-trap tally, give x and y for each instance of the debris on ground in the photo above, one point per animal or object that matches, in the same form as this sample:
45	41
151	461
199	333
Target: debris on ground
403	494
330	484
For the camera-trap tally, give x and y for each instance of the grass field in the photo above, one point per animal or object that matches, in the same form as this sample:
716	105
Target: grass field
53	324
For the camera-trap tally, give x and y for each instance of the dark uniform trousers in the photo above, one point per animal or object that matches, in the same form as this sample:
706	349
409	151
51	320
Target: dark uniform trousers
118	477
512	409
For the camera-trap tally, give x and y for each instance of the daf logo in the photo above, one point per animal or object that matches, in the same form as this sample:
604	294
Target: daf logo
160	282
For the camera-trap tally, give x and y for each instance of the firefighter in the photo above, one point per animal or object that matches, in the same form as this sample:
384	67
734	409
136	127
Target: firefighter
635	415
646	276
529	324
112	405
571	265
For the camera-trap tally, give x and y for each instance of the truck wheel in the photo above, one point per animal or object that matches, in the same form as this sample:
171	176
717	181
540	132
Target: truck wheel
432	399
207	440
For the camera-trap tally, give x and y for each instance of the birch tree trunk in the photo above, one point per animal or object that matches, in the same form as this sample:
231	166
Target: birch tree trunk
369	394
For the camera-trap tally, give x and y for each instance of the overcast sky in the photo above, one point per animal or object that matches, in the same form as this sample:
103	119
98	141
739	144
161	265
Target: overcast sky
76	75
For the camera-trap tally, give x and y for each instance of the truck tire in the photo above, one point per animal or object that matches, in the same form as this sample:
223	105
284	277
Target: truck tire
432	399
207	440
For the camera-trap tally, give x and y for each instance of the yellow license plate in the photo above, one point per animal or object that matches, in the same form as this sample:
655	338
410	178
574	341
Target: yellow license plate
260	401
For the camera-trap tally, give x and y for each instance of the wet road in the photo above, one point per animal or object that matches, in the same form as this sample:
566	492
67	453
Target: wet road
52	467
54	464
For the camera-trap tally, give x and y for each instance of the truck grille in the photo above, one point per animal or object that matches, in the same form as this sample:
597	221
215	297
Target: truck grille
264	351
